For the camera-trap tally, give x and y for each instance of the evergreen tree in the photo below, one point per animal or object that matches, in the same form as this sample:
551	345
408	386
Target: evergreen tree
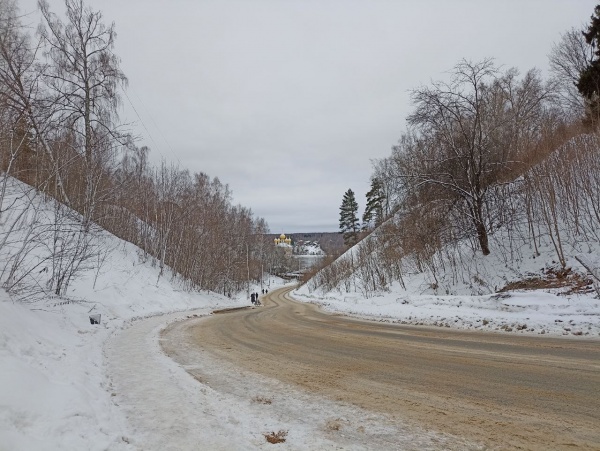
589	79
373	215
349	225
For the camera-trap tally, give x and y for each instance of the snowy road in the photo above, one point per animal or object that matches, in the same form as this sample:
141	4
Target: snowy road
502	391
168	409
234	379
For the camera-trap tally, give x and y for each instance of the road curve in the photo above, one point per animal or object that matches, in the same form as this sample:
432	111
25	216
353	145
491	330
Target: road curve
504	391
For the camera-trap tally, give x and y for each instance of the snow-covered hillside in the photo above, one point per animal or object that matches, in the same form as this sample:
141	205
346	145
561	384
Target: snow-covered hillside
53	387
491	293
68	384
54	392
308	248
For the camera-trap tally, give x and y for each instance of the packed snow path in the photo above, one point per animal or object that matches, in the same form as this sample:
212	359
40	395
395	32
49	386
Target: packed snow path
165	407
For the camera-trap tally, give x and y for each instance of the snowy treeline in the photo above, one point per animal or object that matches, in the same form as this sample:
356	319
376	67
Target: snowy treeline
308	248
60	134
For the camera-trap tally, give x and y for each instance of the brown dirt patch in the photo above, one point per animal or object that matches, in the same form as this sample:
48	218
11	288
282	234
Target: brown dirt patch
554	278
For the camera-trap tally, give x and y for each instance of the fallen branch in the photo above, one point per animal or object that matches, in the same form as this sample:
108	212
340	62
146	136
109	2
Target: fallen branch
593	272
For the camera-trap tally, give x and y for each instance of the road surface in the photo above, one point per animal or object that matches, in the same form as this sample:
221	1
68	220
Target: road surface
501	391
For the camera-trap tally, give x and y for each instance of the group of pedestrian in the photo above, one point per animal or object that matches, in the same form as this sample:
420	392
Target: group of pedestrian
254	297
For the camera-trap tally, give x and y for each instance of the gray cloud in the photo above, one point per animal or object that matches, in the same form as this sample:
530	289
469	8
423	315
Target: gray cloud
288	102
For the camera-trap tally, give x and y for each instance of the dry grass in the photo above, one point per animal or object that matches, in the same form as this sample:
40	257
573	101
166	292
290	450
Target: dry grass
553	278
276	437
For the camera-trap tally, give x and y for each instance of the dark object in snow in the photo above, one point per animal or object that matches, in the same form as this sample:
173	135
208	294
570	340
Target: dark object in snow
95	319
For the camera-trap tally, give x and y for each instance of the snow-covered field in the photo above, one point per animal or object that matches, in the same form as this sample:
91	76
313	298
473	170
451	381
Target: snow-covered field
66	384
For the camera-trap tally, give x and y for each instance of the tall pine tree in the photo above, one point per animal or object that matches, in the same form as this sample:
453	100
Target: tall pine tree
373	215
589	79
349	224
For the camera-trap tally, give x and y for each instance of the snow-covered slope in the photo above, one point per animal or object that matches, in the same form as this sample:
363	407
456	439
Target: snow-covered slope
308	248
53	387
465	293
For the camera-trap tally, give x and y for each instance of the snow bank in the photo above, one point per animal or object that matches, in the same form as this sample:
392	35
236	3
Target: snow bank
517	312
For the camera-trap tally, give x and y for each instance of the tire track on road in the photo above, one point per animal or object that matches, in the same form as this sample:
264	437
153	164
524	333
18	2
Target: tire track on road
504	391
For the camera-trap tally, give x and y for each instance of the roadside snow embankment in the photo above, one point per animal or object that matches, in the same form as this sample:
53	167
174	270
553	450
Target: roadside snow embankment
534	312
54	392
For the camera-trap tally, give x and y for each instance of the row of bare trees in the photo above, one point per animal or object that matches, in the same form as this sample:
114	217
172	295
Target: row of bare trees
188	223
60	133
467	136
491	164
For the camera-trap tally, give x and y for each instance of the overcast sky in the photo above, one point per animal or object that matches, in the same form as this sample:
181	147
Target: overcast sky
288	101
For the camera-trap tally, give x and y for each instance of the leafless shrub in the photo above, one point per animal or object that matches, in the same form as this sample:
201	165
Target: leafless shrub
276	437
563	193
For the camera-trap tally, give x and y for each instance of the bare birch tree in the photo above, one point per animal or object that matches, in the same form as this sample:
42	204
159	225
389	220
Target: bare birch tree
83	76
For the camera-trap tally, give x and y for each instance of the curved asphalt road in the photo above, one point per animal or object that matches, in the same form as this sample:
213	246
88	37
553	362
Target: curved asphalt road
505	391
